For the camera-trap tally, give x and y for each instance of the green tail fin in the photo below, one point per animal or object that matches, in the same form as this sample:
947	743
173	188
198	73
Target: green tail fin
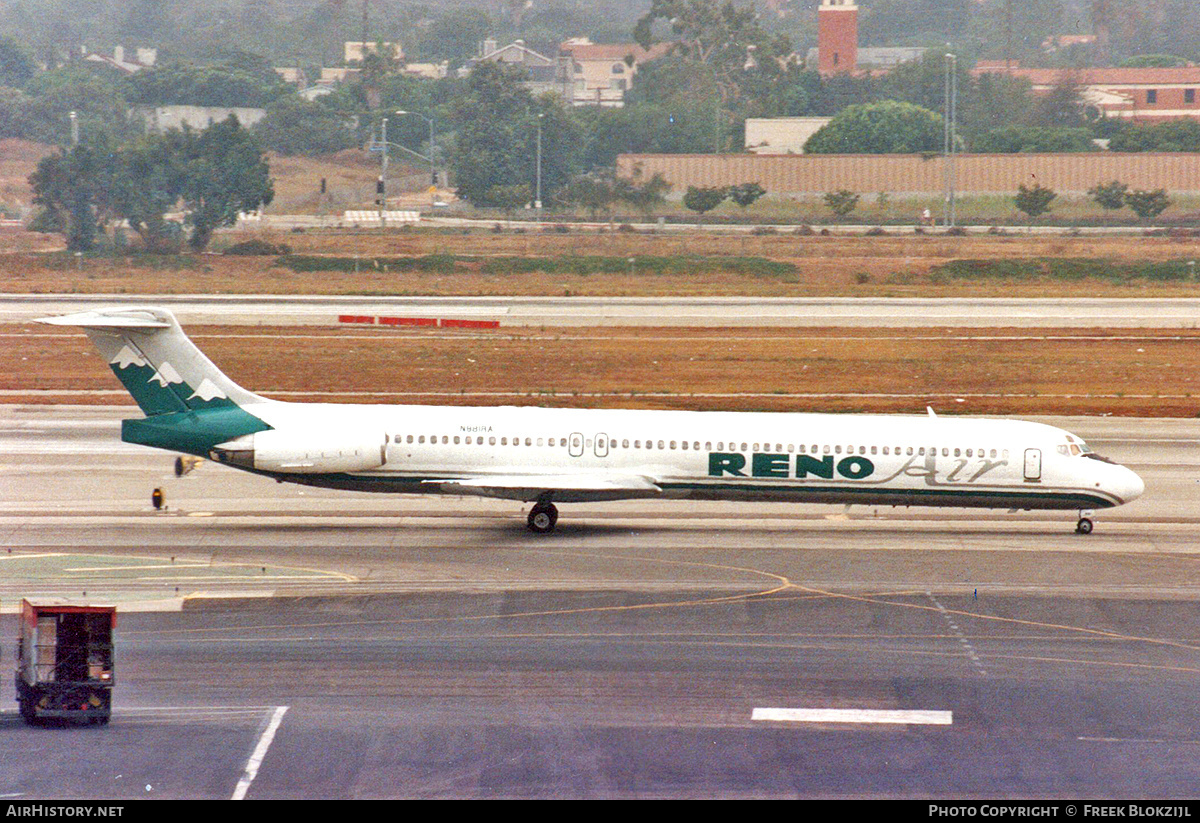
156	362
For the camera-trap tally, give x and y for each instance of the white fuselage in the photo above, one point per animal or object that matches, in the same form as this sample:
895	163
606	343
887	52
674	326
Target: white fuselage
870	459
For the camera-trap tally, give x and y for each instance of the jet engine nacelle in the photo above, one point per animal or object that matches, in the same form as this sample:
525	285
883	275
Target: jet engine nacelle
303	452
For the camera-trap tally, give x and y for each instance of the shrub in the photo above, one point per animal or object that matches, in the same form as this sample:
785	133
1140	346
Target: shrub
257	247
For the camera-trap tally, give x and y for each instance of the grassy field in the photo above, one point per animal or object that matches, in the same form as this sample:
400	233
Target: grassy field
428	262
1018	372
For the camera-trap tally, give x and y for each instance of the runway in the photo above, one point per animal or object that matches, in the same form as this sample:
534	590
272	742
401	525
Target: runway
849	312
427	647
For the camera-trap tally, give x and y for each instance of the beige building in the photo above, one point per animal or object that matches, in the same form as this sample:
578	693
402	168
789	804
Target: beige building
353	50
1146	95
781	135
599	74
914	174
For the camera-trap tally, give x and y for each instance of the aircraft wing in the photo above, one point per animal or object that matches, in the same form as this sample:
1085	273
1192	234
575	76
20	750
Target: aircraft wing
565	488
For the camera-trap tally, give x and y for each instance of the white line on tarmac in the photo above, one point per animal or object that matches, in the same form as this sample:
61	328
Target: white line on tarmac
260	752
927	718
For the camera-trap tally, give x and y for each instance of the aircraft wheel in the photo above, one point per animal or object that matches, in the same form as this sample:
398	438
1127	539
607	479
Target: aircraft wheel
1084	526
542	518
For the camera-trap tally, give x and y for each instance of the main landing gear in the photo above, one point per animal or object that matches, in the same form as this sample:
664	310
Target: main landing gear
1084	526
542	517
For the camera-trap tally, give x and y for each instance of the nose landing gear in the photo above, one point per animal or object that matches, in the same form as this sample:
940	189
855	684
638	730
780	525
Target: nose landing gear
1084	526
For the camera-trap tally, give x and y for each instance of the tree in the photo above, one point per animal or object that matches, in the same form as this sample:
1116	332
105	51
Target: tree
293	125
642	194
148	181
719	34
455	34
235	84
1174	135
1148	204
508	198
16	66
841	202
1034	201
1110	195
885	127
95	97
496	143
595	192
701	199
74	187
225	174
745	194
1016	139
18	118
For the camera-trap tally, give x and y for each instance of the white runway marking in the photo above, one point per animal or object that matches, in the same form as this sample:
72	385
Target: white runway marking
260	752
924	718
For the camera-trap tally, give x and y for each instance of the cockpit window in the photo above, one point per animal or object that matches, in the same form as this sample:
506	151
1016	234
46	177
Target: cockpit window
1074	446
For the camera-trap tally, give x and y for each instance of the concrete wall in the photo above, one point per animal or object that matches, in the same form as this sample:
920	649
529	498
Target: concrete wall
162	118
815	174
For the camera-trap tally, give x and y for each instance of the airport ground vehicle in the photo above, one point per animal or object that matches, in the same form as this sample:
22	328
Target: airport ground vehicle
65	661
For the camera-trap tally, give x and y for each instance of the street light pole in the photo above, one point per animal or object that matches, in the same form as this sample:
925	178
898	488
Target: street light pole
382	187
537	201
432	153
74	128
950	137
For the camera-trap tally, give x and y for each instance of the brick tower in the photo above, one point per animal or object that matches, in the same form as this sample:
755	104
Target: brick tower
837	36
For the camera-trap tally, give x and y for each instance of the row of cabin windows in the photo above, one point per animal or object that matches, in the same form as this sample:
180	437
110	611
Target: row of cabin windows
791	448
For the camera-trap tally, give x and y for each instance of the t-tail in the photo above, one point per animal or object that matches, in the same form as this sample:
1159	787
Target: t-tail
190	405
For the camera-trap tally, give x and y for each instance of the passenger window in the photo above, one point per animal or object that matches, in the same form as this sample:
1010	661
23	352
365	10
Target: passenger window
744	447
410	438
624	444
672	445
684	445
958	453
837	449
660	444
421	439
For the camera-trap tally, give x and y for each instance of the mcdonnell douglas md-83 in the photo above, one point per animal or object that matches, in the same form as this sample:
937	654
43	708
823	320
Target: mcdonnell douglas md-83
549	456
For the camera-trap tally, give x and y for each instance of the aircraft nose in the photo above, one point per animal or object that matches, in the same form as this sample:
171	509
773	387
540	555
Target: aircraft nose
1128	485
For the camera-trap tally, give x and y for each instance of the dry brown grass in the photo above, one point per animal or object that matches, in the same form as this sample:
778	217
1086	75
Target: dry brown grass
18	159
890	266
1020	372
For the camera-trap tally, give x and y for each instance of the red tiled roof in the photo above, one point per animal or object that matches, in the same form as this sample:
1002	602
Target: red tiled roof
1098	77
614	51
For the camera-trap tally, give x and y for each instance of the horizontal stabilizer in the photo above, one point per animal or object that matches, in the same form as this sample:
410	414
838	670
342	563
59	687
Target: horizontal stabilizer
110	319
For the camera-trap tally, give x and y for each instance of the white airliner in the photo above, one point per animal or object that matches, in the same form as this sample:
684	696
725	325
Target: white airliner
548	456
